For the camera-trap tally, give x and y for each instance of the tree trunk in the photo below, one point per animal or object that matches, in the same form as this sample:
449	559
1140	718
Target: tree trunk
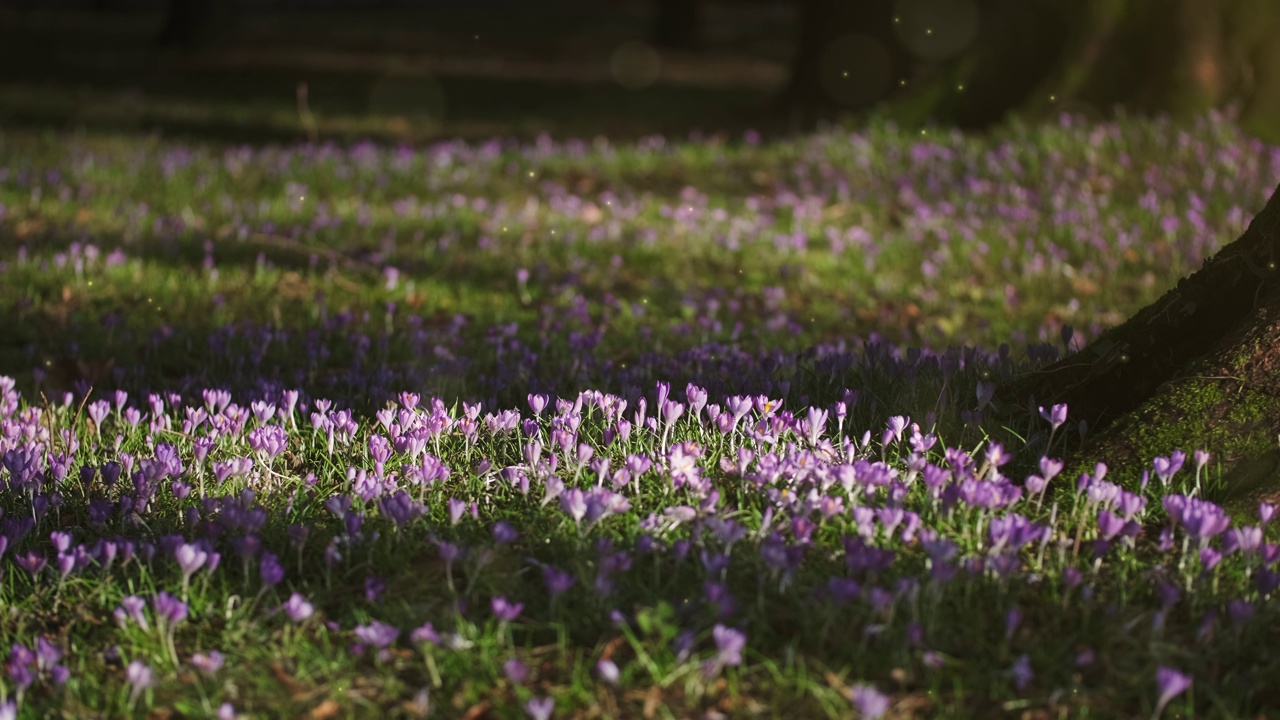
189	24
677	24
846	58
1197	369
1019	44
1177	56
1182	57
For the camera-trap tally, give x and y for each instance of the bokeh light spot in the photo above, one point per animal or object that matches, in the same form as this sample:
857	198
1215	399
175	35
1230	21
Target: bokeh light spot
936	29
855	70
420	100
635	65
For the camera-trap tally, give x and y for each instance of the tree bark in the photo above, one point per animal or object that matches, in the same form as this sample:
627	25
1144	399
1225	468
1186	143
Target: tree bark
189	24
677	24
1183	57
1020	43
847	58
1197	369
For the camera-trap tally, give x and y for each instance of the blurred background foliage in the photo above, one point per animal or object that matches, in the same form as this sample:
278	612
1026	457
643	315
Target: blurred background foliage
416	71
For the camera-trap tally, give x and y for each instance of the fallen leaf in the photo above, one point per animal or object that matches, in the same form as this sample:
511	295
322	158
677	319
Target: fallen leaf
325	710
283	676
651	702
611	647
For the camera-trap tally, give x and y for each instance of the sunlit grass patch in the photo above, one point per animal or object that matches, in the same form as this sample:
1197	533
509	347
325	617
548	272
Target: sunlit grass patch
588	429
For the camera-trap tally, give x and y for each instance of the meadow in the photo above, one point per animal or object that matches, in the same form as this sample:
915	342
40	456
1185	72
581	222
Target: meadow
678	427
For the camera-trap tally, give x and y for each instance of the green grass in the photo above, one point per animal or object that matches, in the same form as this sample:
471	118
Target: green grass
646	262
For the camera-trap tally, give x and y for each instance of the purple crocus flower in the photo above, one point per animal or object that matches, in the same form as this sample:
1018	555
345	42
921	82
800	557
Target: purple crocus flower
893	433
608	671
1056	415
190	558
377	634
169	608
1203	519
504	533
1167	467
871	703
449	552
1012	620
1240	611
140	678
270	569
139	675
297	608
538	403
338	505
574	502
558	581
61	540
400	508
1170	683
208	663
1266	511
540	708
1012	531
729	645
1201	459
425	635
671	412
20	671
32	562
47	654
21	657
816	424
516	671
457	508
110	473
131	607
1021	672
373	588
506	611
1109	524
98	411
1245	540
66	563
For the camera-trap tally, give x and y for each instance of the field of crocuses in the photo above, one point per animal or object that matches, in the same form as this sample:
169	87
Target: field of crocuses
675	428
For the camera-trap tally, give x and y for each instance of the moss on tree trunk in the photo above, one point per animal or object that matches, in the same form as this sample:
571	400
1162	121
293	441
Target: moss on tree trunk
1197	369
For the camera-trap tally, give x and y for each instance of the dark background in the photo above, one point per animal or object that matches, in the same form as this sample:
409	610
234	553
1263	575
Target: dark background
427	69
399	70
